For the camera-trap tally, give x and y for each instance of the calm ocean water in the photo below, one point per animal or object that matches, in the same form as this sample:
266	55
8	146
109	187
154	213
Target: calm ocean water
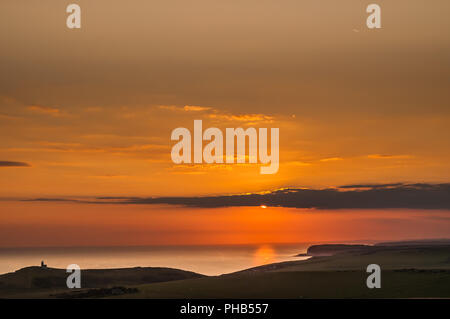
208	260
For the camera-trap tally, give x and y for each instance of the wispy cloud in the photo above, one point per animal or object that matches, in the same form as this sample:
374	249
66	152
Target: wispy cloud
195	108
219	115
186	108
53	111
331	159
9	117
371	186
362	196
299	163
243	118
387	156
13	164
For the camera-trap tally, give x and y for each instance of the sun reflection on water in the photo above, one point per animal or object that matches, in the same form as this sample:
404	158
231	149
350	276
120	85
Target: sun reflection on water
264	254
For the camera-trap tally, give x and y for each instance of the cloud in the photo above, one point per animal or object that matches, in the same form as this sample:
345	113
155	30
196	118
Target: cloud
109	176
53	111
381	156
215	114
299	163
13	164
373	186
61	147
93	109
186	108
243	118
9	117
196	108
383	196
331	159
169	107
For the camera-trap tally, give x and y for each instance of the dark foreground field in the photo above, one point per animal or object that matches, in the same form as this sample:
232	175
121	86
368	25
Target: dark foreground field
407	271
304	284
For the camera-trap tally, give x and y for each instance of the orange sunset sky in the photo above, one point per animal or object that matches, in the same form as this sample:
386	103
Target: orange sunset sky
89	113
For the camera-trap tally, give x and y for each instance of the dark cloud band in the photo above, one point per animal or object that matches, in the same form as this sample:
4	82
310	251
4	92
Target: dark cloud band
414	196
13	164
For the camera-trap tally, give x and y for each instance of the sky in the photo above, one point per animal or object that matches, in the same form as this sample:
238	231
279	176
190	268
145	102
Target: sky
68	225
89	112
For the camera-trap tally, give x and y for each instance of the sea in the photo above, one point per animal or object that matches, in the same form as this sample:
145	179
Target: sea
207	260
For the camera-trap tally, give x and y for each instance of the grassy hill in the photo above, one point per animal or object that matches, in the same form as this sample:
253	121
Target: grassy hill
303	284
407	271
39	281
389	258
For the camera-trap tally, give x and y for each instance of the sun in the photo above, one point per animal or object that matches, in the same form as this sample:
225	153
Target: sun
263	206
